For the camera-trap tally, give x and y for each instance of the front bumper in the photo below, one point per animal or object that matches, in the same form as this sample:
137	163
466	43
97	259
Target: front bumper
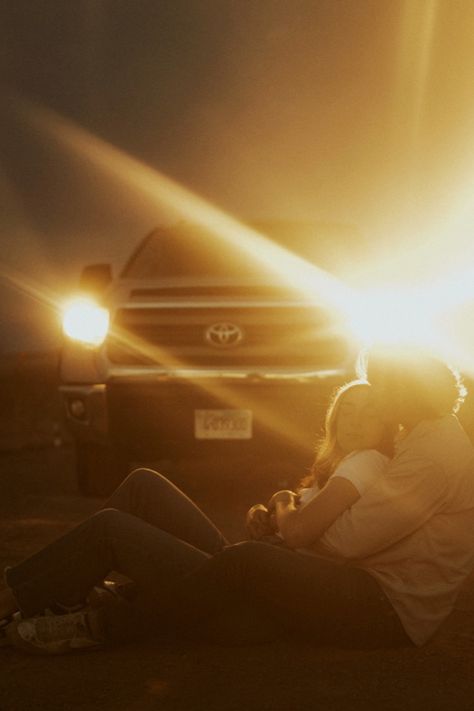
154	417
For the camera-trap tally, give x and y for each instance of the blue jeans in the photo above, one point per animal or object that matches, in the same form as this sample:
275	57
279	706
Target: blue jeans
303	595
189	579
147	525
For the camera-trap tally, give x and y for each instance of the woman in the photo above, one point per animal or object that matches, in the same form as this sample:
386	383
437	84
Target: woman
353	452
154	534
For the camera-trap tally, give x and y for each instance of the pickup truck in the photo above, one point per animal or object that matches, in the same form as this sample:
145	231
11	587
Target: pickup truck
198	348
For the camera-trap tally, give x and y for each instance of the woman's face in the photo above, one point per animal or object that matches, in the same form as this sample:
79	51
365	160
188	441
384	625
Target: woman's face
359	423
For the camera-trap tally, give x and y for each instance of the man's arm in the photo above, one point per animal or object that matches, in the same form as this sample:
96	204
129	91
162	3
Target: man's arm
412	491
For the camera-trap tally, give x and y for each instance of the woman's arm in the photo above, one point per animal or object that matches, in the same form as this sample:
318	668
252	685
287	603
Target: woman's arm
301	527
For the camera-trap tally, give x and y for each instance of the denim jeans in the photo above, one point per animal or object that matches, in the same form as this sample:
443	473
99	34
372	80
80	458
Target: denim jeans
305	596
187	578
148	529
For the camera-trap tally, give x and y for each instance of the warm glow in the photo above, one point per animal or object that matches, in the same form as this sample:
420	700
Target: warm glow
437	316
85	321
424	312
167	196
394	316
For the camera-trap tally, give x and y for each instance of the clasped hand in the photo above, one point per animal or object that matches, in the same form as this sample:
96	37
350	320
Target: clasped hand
261	520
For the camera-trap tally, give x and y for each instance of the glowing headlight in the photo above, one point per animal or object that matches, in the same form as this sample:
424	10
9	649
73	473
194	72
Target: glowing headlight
83	320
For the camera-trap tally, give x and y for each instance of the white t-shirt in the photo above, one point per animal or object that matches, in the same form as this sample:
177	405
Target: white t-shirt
361	467
413	529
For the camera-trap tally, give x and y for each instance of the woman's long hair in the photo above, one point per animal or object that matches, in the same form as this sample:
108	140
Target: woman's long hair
328	454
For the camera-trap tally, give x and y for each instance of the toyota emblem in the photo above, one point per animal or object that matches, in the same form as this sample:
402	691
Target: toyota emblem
223	334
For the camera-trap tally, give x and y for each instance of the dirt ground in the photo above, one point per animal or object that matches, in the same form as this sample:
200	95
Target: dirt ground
38	501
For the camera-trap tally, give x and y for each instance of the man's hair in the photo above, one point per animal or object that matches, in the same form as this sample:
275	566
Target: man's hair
424	383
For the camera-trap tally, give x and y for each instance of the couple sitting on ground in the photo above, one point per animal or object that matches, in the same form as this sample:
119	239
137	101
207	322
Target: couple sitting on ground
371	552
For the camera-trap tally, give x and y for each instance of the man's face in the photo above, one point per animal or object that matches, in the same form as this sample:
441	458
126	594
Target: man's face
387	400
359	424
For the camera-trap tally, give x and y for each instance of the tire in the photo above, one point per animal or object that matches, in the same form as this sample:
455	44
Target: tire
99	468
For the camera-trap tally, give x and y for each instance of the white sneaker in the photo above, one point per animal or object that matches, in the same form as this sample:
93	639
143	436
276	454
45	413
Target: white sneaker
52	634
4	624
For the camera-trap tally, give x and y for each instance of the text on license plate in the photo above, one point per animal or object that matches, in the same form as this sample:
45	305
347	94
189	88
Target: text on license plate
223	424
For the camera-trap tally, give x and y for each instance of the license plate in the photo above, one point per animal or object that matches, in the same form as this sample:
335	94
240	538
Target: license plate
223	424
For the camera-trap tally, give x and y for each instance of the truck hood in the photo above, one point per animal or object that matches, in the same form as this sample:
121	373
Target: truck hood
134	291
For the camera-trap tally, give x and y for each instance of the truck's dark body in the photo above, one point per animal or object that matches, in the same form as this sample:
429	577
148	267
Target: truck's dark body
200	364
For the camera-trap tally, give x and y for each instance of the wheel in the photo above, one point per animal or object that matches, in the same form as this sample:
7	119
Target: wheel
99	468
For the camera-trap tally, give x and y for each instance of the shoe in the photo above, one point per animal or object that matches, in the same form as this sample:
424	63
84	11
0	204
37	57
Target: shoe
52	634
4	624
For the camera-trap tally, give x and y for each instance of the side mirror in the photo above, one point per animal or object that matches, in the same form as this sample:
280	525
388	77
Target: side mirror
95	278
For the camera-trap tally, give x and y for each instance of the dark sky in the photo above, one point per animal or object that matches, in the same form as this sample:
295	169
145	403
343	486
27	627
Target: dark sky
357	111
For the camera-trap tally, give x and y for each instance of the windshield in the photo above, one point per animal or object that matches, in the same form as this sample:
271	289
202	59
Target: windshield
191	251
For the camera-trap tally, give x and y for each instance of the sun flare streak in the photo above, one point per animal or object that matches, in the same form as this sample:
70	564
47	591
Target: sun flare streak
166	194
422	314
30	287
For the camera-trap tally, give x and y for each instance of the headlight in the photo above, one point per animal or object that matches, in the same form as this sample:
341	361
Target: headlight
83	320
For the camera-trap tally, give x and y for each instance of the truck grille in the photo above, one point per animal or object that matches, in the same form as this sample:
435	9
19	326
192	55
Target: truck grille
302	336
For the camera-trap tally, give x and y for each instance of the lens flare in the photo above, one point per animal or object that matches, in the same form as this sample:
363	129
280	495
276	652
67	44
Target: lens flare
168	197
430	314
394	316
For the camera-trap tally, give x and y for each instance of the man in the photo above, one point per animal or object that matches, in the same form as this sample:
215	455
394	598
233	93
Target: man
413	530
